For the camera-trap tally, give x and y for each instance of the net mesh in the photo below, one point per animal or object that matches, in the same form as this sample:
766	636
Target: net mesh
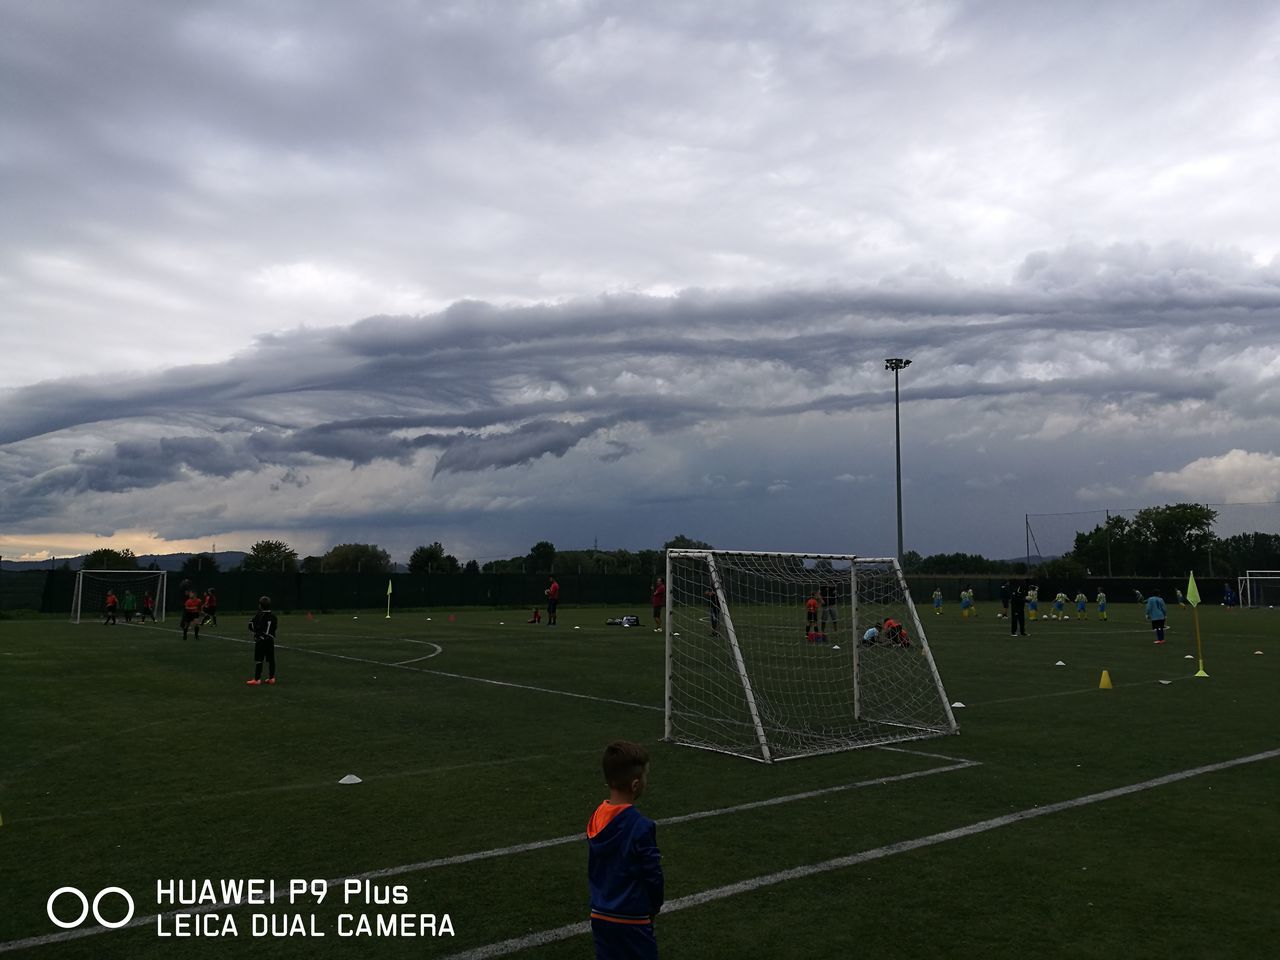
756	670
1259	588
129	587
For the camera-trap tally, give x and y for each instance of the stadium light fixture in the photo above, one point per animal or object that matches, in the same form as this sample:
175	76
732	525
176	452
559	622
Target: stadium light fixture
896	364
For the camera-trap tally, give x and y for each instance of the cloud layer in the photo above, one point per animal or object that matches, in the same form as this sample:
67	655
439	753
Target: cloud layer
1032	390
630	269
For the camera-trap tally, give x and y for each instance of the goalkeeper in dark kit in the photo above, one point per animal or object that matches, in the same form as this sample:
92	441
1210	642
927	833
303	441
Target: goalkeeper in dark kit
263	625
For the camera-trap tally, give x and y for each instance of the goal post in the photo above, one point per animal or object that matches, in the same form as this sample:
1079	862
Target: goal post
766	656
89	599
1259	588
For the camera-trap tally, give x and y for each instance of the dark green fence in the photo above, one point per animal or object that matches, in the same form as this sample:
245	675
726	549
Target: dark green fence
50	591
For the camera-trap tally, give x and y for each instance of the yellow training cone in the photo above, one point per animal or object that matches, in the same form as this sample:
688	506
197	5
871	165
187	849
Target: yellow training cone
1105	682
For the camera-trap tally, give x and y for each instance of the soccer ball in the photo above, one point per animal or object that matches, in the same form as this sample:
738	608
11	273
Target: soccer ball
547	592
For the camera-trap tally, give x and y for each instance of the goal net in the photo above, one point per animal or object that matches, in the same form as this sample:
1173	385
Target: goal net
1260	588
767	656
130	588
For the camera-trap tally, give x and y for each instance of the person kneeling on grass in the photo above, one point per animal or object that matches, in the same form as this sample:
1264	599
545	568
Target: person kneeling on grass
264	625
536	617
891	630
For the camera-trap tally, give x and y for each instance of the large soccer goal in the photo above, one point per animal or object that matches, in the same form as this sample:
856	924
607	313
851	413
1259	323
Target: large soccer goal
745	676
1260	588
92	586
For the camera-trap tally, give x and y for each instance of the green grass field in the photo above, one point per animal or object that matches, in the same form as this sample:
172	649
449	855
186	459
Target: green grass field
129	757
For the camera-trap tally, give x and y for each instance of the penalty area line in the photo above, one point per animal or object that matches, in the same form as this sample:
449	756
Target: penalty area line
555	934
494	853
443	673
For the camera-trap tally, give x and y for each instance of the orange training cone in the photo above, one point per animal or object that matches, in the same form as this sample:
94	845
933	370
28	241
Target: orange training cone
1105	682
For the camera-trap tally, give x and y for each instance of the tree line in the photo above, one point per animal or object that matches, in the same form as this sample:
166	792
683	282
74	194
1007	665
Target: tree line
1157	541
276	556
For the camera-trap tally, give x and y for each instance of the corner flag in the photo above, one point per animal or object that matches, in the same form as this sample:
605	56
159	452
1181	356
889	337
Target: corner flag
388	616
389	589
1193	598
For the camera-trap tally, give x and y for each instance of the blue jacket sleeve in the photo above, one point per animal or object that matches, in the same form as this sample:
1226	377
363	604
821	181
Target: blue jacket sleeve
649	864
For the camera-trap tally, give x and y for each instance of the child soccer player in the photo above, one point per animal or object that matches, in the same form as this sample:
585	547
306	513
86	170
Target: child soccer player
937	601
811	616
1156	614
1059	606
112	604
966	601
190	613
537	616
872	635
148	608
896	633
1082	603
210	607
129	606
1102	605
263	625
624	865
659	604
1177	595
1033	602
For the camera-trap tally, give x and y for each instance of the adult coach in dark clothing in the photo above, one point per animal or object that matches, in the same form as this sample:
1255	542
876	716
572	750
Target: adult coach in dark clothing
1018	609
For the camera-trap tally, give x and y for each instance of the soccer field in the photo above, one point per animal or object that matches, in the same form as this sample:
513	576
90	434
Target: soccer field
1063	820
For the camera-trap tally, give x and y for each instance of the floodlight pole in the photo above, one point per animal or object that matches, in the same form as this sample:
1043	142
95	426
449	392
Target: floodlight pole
895	364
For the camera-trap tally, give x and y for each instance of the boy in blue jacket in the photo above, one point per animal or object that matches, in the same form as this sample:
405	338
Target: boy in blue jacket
624	866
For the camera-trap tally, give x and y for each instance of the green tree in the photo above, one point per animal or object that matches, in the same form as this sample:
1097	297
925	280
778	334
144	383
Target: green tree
1247	551
911	561
471	567
681	542
271	555
1175	538
312	564
357	558
198	564
433	559
542	557
107	559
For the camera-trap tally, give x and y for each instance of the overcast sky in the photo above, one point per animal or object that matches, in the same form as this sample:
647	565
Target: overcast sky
492	273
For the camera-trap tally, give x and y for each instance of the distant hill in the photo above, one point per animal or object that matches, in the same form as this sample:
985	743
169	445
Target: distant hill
165	561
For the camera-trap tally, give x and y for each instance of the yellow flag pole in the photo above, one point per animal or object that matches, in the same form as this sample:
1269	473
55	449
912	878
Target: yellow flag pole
1193	598
1195	619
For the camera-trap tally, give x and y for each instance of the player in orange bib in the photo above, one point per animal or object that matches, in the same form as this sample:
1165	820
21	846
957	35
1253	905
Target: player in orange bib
192	611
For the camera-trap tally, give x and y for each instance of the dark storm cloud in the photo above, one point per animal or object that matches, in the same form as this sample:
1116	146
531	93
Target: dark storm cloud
484	387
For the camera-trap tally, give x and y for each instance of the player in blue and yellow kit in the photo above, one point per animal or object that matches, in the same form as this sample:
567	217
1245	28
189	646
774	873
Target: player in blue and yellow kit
624	866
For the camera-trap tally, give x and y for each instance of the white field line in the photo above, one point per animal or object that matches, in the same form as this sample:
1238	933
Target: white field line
555	934
492	854
1072	693
443	673
427	643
